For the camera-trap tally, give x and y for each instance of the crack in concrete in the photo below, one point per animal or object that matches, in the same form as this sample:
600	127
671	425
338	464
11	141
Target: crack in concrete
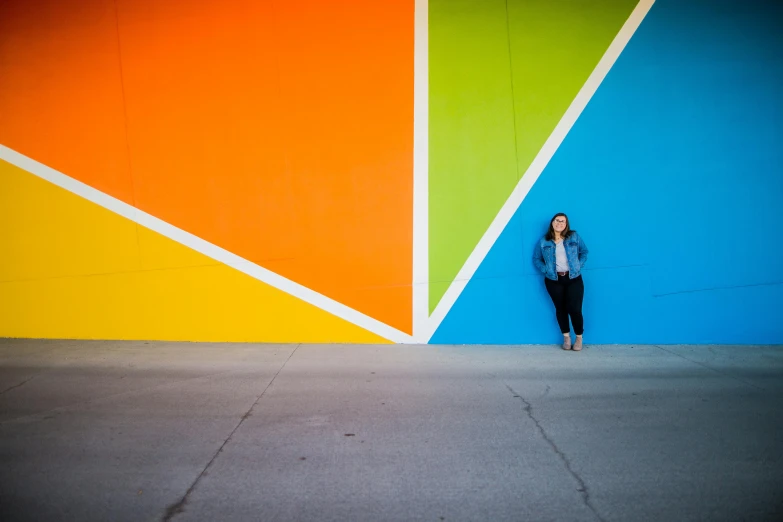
178	507
583	490
17	385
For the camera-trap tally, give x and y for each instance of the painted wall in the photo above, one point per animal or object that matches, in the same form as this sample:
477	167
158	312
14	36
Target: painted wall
363	171
280	132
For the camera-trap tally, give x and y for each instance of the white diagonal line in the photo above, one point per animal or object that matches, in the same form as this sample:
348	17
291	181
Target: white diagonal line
537	167
421	285
203	247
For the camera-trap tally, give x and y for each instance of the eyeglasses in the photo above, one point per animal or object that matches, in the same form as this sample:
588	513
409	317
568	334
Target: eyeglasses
560	221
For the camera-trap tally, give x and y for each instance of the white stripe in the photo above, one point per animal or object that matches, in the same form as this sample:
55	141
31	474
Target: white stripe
420	173
204	247
537	167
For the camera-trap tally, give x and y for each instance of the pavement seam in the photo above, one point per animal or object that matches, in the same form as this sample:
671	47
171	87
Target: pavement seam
98	400
710	367
583	490
175	509
17	385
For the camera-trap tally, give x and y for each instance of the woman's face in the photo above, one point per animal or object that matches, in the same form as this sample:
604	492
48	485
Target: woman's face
559	224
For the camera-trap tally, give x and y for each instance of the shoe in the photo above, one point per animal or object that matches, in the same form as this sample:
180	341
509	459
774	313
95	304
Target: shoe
577	344
567	343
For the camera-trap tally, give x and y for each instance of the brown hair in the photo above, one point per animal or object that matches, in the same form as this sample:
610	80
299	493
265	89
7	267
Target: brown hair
550	234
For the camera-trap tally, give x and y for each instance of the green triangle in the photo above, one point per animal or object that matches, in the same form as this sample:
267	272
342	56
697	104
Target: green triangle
501	75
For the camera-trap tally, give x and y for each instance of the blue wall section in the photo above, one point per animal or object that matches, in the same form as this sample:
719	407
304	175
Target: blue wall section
673	175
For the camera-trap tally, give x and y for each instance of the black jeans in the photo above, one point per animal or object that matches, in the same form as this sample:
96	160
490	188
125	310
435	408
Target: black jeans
567	295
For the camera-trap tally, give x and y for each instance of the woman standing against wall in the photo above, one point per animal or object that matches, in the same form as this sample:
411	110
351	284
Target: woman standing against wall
560	256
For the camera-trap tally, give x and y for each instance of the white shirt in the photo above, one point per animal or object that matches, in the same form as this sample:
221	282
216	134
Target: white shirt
561	261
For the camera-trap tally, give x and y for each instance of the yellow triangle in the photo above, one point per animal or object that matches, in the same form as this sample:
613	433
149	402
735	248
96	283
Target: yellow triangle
72	269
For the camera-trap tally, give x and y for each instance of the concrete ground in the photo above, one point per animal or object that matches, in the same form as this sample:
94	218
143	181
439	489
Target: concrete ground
174	431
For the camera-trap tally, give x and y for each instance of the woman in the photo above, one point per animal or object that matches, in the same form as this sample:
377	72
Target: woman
560	256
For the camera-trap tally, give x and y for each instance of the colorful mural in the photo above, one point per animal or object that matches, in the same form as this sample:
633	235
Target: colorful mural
378	172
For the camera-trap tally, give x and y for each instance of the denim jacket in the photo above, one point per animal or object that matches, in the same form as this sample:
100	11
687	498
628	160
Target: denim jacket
576	252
